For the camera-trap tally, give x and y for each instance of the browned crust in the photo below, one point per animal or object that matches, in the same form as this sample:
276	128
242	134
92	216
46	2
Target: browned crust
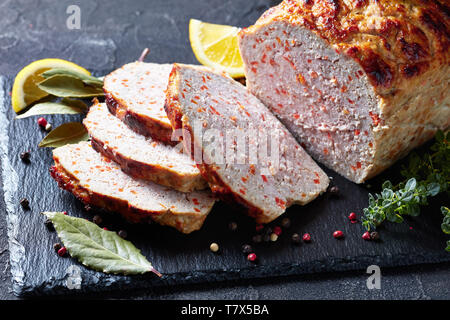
183	223
218	187
143	125
408	39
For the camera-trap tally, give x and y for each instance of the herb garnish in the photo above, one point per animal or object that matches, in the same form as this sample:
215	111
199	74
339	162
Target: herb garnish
425	176
97	248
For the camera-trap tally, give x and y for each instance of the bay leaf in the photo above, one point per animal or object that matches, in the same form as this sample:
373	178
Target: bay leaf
85	78
97	248
65	106
66	86
67	133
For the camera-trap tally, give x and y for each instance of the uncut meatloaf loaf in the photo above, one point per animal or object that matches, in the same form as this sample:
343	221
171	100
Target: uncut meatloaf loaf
359	83
141	157
98	181
242	150
135	94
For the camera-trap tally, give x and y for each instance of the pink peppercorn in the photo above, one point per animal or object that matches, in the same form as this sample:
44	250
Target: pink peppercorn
352	216
106	229
42	122
251	257
366	235
62	252
306	237
277	230
338	234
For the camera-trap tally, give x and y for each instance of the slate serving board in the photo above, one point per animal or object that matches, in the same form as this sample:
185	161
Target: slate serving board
184	259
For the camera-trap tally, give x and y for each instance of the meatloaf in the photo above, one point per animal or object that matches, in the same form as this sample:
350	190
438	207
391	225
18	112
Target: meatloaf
242	150
141	157
135	94
359	83
97	181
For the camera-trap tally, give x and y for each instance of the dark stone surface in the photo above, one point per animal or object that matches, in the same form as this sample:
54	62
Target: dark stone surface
113	33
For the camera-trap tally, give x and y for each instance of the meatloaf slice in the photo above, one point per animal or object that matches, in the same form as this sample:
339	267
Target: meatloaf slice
141	157
135	94
242	150
96	180
358	83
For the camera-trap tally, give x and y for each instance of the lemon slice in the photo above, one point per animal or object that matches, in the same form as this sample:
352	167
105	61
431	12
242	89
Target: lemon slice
25	91
216	46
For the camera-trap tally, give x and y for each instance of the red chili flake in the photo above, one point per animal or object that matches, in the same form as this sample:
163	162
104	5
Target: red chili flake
252	169
375	118
272	62
42	122
280	203
352	216
253	69
277	230
351	101
325	151
62	252
370	144
366	133
350	78
358	165
290	61
338	234
301	79
366	235
344	89
263	59
193	101
264	178
197	210
357	132
242	191
203	87
306	237
251	257
195	201
244	179
296	116
254	63
316	181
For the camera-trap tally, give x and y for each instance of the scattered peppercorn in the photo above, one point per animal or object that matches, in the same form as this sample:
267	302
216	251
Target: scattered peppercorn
257	238
49	224
273	237
306	237
286	223
352	216
97	219
266	237
232	226
259	227
246	248
334	190
48	127
57	246
25	156
42	122
374	236
64	213
277	230
62	252
25	203
366	235
251	257
295	238
123	234
106	229
214	247
338	234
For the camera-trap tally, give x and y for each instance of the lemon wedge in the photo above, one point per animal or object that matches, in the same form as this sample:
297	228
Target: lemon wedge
25	91
216	46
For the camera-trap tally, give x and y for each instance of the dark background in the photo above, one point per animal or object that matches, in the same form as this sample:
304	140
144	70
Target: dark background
115	32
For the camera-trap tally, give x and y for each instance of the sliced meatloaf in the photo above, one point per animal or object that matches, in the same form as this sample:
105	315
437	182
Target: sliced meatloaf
135	94
141	157
358	83
242	150
98	181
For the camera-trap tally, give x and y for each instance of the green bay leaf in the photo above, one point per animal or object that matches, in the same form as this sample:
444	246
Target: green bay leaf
65	106
66	86
65	72
97	248
67	133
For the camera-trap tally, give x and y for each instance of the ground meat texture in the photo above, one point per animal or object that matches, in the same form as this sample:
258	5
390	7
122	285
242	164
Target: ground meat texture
358	83
214	110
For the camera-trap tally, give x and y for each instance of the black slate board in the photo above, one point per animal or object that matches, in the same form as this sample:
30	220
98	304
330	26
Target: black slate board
185	259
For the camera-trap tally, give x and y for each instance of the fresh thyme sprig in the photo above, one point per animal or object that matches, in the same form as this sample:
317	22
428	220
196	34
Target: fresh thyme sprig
425	176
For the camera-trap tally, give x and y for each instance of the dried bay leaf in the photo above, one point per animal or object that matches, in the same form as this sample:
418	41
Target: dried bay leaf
97	248
67	133
66	86
65	106
83	77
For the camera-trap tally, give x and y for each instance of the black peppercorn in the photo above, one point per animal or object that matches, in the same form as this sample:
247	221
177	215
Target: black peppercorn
49	224
25	203
286	223
266	237
374	235
232	226
257	238
57	246
97	219
123	234
25	156
246	248
334	190
296	238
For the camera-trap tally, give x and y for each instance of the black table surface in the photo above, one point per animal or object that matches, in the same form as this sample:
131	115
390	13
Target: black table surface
117	33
